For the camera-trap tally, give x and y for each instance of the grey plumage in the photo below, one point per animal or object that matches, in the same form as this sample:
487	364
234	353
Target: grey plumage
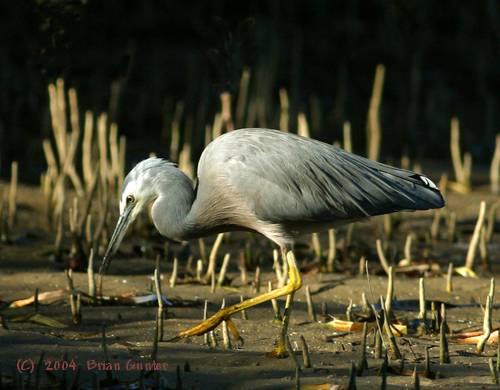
278	184
274	183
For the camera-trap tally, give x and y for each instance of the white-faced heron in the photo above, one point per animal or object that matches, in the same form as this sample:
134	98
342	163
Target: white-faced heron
271	182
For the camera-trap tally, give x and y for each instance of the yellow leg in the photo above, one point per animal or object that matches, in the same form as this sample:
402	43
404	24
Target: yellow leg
280	350
211	323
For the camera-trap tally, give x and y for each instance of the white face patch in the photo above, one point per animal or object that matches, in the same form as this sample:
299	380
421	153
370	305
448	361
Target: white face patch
428	182
131	189
140	182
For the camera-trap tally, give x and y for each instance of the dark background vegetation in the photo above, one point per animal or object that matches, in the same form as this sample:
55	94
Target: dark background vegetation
441	58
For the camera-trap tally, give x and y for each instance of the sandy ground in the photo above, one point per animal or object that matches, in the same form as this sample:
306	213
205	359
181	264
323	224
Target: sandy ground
25	265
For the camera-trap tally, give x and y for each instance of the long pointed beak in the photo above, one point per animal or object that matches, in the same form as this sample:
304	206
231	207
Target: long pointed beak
116	238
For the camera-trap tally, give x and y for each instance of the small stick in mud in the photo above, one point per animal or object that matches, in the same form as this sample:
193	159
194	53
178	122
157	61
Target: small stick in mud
352	377
495	168
284	110
157	280
212	282
483	249
422	314
173	277
487	325
225	98
471	252
443	318
364	302
491	220
449	278
381	256
212	259
243	312
79	307
225	332
461	168
302	125
87	168
316	244
213	339
361	266
311	312
493	371
427	370
332	250
72	305
241	104
223	270
388	226
243	268
274	303
199	269
90	274
393	346
69	279
59	226
416	379
434	317
373	120
205	312
363	363
348	311
159	298
203	249
346	134
390	292
305	353
256	281
444	354
407	249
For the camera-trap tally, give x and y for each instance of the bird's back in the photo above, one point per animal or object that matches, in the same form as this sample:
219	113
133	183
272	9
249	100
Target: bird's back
292	184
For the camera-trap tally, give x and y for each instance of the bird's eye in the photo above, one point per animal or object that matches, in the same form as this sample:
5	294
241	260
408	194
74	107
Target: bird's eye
130	199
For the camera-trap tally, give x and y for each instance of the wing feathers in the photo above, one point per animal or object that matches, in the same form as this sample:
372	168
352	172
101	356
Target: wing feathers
287	178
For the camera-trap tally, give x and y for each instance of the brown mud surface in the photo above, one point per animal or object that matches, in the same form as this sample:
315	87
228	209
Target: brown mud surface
25	265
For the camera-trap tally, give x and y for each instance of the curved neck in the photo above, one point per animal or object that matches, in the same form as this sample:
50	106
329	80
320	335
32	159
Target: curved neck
175	196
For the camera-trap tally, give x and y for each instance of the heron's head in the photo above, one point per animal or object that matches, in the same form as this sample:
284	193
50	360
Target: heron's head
138	191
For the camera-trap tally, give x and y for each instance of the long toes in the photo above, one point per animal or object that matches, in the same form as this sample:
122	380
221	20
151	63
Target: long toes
279	351
234	332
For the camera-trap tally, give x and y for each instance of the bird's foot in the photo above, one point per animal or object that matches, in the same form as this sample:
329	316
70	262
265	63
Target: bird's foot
279	351
210	324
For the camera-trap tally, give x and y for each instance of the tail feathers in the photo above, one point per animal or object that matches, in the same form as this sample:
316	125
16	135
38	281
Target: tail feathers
423	191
